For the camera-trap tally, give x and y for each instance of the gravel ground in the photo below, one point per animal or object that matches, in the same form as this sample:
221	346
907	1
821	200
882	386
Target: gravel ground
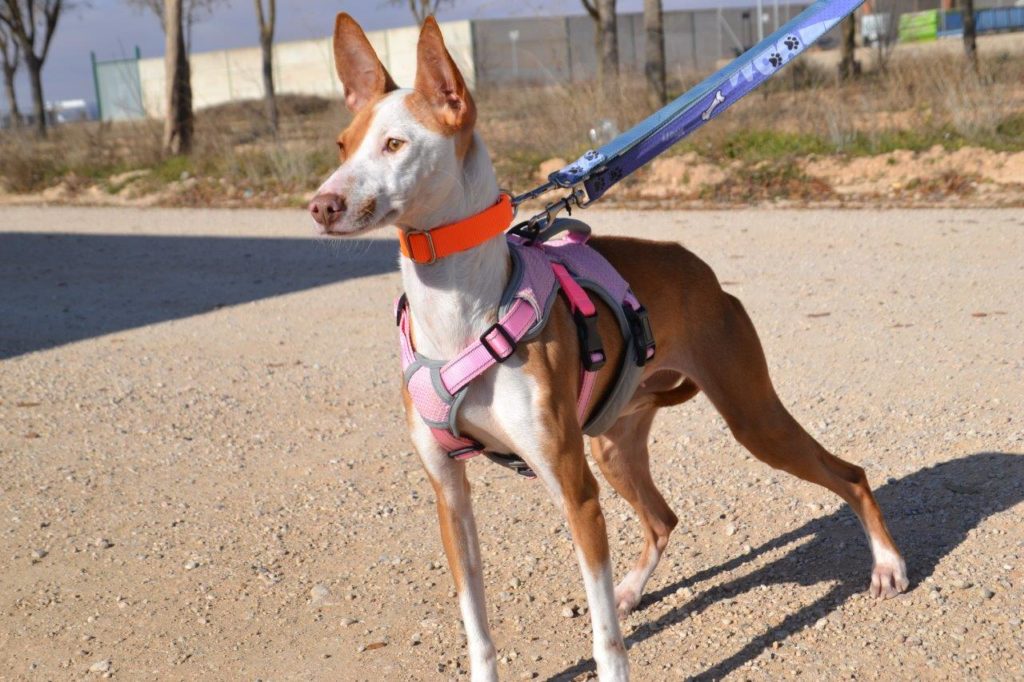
204	472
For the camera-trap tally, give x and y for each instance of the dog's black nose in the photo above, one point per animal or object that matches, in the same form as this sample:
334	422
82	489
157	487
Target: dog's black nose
326	209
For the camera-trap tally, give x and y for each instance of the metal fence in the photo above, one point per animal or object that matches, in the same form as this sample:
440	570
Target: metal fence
118	88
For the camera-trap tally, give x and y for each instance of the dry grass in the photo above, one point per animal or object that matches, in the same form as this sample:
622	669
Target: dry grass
916	103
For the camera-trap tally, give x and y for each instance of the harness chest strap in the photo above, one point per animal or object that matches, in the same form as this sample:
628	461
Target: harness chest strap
496	345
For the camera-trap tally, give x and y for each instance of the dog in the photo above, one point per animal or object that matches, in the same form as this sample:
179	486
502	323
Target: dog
411	159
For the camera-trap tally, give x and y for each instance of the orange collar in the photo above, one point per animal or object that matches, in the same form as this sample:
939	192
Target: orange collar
427	246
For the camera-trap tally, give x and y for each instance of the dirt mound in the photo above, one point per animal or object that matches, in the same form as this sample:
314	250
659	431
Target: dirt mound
893	173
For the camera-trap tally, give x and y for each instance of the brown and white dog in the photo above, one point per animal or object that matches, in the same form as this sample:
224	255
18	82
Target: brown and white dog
411	159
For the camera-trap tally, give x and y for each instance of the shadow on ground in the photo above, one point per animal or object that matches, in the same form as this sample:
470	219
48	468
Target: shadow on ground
59	288
929	512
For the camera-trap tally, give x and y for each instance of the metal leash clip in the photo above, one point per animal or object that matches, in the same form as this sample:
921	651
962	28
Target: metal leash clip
530	230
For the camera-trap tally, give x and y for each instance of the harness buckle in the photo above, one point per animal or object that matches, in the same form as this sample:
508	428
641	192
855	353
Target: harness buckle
467	452
592	355
407	237
513	462
643	334
489	347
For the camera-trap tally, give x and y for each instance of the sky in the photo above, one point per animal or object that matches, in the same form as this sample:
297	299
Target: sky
112	29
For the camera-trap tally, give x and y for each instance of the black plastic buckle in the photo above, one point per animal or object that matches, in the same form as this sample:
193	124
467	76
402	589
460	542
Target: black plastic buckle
643	334
590	341
476	447
496	327
513	462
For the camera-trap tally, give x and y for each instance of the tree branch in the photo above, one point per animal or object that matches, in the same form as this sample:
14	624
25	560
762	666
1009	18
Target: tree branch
591	9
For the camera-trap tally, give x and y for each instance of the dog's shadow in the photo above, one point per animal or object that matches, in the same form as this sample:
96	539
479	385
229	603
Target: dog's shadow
929	513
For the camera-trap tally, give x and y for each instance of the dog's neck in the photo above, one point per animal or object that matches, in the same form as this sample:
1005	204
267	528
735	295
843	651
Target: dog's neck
454	299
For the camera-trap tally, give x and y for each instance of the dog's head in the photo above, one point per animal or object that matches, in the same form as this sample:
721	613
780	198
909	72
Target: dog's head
403	150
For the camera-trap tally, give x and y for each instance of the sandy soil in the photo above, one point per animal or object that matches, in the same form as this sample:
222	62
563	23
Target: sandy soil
204	472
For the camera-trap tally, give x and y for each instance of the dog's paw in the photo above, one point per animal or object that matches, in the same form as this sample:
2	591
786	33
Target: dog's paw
888	579
626	600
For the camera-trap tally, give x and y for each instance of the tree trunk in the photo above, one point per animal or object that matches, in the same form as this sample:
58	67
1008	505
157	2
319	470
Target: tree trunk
849	67
35	79
12	97
608	59
267	47
178	120
654	50
970	34
266	21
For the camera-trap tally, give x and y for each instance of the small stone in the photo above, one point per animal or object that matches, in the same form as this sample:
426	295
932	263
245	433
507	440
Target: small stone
528	676
103	543
348	622
416	639
962	584
319	595
100	666
821	623
568	612
987	593
730	529
38	554
191	565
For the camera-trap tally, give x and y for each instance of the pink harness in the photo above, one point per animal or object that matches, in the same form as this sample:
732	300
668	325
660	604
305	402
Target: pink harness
540	270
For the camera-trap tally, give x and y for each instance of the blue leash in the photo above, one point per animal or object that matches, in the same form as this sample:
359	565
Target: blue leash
590	176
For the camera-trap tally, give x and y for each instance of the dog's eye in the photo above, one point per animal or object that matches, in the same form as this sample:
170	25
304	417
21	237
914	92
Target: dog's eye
393	145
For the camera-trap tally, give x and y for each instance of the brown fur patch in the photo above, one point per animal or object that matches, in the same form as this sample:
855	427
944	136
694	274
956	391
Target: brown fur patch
429	117
352	137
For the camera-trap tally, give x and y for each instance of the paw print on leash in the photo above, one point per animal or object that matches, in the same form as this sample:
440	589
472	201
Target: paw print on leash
791	43
775	59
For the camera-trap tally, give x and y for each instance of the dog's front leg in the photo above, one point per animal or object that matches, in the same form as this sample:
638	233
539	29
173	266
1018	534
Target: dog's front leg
459	537
572	486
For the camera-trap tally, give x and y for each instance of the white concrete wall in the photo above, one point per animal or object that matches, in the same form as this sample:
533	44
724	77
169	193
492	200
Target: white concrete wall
304	67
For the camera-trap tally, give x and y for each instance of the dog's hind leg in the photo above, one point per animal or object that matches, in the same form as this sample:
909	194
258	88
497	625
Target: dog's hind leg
729	366
622	455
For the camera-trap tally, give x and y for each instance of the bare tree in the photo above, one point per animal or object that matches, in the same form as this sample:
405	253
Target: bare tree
654	52
266	20
849	67
177	17
10	60
970	34
421	9
178	123
32	24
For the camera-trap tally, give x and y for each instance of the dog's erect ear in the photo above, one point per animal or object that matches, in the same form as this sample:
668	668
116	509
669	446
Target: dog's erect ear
439	81
359	68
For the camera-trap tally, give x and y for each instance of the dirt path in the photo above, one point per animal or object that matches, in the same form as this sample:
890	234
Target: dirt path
204	472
